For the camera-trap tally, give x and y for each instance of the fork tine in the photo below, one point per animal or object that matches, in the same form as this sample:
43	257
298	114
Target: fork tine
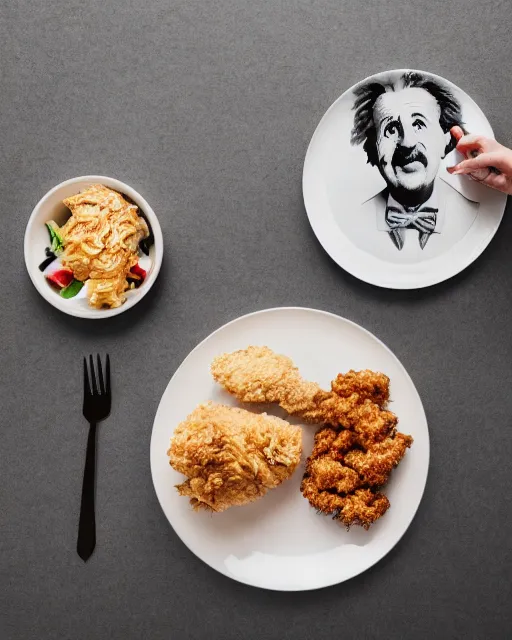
93	377
100	376
87	386
107	375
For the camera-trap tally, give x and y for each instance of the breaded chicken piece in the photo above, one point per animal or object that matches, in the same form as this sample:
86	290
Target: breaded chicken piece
341	476
375	465
329	474
231	456
372	424
333	442
328	502
362	507
257	374
368	385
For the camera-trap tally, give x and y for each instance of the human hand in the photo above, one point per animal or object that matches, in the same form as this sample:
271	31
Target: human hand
488	161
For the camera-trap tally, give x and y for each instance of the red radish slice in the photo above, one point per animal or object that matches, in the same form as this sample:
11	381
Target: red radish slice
60	278
137	270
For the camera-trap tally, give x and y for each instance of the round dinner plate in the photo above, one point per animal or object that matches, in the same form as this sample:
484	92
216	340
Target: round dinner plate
356	156
279	542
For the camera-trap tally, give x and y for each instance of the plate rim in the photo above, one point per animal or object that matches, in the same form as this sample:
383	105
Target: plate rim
427	452
350	266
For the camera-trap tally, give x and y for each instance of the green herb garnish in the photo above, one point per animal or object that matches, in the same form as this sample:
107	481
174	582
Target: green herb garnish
55	237
72	289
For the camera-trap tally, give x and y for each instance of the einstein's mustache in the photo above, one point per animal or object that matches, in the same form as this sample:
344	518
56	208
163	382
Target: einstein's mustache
404	156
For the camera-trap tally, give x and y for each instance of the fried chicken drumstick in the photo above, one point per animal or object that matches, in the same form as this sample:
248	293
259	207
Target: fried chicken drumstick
357	449
231	456
257	374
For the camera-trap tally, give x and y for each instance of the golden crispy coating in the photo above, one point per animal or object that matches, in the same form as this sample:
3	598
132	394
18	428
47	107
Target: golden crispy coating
333	442
375	465
369	385
363	507
327	473
325	501
231	456
255	374
371	423
341	475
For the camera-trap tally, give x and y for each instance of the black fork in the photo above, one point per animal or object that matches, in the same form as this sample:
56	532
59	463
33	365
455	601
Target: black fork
97	401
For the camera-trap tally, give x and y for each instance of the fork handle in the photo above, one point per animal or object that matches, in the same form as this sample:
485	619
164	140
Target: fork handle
87	524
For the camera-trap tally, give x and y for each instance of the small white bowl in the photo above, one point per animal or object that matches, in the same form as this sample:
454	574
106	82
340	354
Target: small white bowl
50	207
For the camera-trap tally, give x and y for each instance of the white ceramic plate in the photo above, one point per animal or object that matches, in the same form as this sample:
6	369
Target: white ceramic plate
280	542
346	205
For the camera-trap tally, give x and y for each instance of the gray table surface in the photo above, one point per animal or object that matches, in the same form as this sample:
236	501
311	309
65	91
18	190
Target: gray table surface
207	108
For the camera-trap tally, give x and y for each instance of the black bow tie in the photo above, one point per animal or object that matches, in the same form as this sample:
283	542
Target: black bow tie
399	218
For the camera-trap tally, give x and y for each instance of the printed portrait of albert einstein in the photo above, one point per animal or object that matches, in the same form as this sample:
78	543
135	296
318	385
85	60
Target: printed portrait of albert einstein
404	129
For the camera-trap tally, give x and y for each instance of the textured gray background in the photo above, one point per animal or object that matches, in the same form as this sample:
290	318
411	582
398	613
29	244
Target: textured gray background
207	109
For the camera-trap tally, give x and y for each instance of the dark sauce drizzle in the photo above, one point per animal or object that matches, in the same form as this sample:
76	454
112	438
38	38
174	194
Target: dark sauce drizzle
50	257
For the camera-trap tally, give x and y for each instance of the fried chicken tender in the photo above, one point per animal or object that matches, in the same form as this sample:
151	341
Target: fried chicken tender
375	465
333	442
341	477
334	458
330	474
369	385
231	456
362	507
328	502
372	424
